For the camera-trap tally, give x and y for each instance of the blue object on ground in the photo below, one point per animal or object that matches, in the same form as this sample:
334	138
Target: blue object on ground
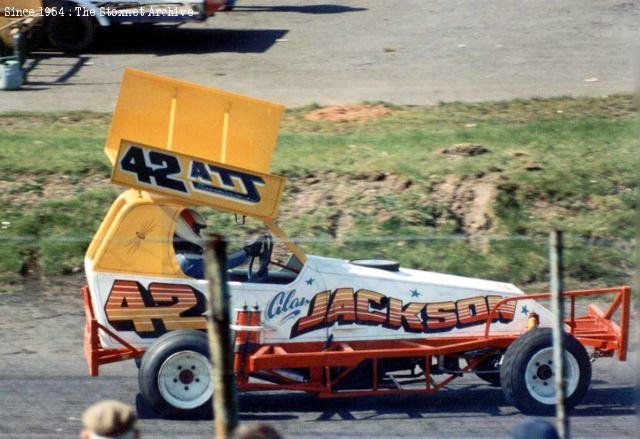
10	74
535	429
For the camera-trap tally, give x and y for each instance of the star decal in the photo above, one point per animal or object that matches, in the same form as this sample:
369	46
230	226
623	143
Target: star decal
310	281
415	293
525	310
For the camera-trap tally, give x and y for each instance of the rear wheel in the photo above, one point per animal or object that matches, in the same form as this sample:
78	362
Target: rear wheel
70	32
175	374
489	370
527	372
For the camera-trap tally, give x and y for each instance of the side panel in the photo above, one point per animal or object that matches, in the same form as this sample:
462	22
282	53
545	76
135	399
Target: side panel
141	309
362	308
281	305
314	307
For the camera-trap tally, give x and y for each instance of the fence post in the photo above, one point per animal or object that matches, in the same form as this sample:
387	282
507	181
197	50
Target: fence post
556	267
225	404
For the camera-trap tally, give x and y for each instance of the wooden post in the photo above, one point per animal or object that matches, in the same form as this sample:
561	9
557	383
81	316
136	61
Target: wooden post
557	288
225	403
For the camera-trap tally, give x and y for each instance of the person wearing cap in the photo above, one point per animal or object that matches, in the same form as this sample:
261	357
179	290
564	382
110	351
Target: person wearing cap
109	419
257	431
535	429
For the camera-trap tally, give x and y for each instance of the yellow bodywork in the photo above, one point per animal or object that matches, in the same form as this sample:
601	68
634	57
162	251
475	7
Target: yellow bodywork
269	191
136	236
220	146
207	123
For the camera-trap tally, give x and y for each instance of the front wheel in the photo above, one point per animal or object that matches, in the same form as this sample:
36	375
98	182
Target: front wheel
175	374
527	372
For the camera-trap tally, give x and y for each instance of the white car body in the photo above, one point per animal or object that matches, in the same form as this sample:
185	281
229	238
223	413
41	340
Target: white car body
282	306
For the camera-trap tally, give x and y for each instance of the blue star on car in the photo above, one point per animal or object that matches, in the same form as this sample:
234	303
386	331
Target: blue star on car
310	281
525	310
415	293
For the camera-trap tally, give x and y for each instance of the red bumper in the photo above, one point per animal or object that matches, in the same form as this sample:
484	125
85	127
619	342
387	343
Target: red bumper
94	352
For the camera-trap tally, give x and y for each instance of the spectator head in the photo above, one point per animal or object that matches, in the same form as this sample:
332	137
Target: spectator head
535	429
257	431
109	419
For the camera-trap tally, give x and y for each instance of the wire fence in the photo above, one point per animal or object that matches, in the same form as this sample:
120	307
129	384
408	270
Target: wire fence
520	259
597	242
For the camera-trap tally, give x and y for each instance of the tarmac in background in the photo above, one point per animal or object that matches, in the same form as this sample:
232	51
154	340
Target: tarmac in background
336	52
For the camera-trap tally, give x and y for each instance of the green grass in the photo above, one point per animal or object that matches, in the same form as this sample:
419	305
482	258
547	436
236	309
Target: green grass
585	150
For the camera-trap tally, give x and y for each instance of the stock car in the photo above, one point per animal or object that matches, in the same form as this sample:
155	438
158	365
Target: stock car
327	326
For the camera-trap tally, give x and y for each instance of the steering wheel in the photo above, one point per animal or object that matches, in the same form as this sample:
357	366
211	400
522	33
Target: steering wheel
264	256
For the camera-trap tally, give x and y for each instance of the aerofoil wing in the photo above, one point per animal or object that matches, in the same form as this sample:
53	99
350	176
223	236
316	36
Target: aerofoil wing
197	144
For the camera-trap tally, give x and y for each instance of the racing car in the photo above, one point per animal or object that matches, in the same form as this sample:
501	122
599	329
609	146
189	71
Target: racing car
327	326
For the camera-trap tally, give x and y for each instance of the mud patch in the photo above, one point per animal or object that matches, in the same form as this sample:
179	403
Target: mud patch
466	149
348	113
469	202
465	201
29	190
30	120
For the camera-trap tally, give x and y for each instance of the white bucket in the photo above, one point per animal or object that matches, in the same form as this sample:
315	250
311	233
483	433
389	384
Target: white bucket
10	75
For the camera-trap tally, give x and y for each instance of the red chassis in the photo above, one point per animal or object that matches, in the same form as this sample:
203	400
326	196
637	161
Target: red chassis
327	364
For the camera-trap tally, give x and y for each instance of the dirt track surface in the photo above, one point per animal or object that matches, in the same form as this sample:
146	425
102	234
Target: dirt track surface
44	388
401	51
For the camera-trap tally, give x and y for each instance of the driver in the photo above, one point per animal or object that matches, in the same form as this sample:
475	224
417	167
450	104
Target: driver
188	242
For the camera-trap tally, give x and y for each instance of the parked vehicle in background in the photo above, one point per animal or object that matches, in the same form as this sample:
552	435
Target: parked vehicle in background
70	25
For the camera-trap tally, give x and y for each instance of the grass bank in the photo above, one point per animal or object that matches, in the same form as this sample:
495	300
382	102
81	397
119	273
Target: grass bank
470	189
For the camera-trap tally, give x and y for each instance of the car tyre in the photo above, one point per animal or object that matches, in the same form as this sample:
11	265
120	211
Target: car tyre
70	33
490	368
175	375
527	378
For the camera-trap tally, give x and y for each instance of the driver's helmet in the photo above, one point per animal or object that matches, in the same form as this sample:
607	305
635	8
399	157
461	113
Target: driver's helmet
189	227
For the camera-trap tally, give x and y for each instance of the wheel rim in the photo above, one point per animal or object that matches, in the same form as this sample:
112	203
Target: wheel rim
184	380
540	375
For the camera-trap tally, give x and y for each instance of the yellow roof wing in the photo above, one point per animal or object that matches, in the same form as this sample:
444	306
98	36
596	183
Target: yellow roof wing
198	144
187	118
